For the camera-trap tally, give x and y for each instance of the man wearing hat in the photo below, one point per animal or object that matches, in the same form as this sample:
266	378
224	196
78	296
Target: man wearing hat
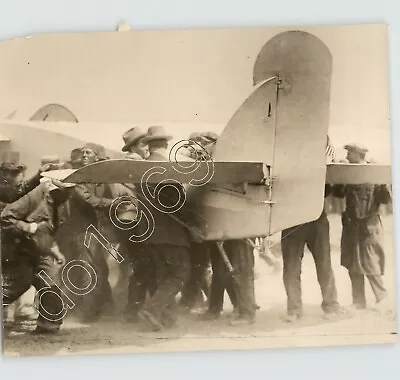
356	153
241	293
208	141
362	243
195	136
134	145
168	245
92	153
29	226
142	279
200	252
89	205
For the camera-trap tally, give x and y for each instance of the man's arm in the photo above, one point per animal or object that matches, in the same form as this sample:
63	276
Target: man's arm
30	184
84	196
34	181
10	194
382	194
13	217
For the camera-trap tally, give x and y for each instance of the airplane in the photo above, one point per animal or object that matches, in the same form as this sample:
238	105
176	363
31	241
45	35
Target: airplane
264	160
270	155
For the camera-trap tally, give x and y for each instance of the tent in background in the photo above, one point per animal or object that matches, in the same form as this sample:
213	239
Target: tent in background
54	112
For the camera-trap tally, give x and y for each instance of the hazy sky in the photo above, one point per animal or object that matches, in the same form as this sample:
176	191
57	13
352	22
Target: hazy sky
186	80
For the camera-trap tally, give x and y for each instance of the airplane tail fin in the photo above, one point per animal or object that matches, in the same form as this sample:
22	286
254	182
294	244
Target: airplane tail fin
304	66
283	124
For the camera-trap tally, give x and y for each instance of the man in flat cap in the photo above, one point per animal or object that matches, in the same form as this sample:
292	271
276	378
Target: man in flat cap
356	153
29	226
199	252
92	153
362	245
168	245
195	136
134	145
208	141
241	293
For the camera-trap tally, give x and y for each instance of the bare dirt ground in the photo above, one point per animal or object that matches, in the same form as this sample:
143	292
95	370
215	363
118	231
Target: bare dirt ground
112	336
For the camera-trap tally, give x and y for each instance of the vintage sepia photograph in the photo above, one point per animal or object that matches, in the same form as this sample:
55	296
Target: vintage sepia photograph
196	189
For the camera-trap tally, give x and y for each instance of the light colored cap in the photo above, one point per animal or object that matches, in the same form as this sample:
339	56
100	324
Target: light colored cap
356	148
131	136
156	132
209	136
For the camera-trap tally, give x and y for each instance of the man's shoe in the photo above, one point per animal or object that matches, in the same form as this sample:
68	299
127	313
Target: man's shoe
210	316
335	312
354	309
130	318
43	330
152	319
26	319
358	306
8	325
292	318
47	328
89	319
382	307
184	309
235	313
170	323
330	315
242	321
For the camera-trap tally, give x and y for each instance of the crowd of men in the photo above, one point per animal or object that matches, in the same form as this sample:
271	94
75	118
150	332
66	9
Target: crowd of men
44	223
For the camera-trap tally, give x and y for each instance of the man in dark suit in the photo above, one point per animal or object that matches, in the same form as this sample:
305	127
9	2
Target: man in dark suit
197	283
14	186
362	241
89	205
142	279
169	244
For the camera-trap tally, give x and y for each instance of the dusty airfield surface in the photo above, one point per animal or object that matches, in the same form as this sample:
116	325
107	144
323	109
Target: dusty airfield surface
112	336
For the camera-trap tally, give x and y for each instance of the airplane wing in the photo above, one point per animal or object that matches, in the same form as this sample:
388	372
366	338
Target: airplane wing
132	171
338	173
